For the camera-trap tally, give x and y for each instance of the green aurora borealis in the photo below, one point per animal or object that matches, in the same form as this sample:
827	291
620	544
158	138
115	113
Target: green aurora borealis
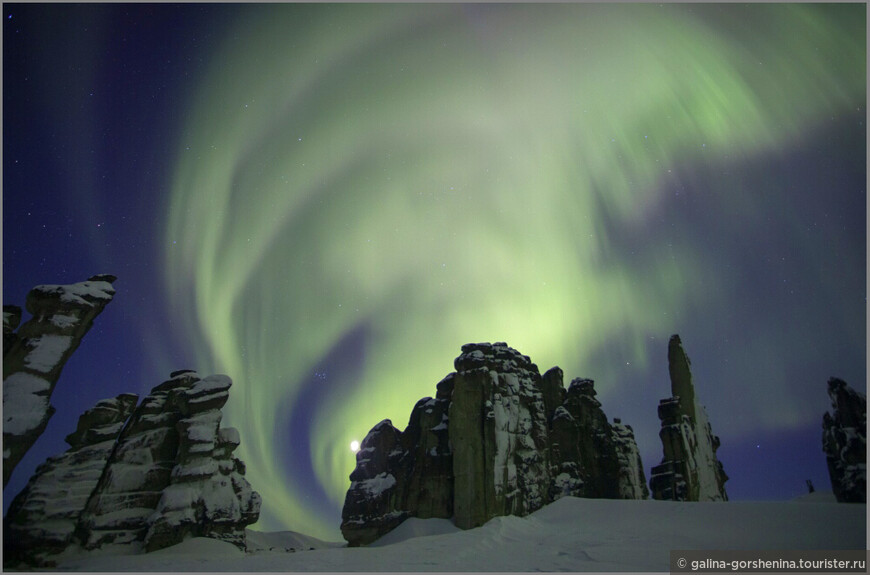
407	178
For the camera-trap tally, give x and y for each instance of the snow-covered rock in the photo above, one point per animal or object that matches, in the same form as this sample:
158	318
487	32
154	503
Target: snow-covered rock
591	457
631	479
498	431
173	473
42	519
139	480
497	439
844	440
208	495
369	513
689	470
34	356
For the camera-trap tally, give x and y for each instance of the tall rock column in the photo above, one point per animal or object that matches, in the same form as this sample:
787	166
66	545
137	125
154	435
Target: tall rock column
36	354
844	440
689	470
497	426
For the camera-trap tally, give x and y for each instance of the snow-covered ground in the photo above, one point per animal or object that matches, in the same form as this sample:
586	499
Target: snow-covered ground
569	535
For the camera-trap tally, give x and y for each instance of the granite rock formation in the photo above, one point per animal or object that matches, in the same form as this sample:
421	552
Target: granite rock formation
34	356
631	480
42	519
591	457
172	473
689	470
147	479
497	439
207	495
498	430
844	440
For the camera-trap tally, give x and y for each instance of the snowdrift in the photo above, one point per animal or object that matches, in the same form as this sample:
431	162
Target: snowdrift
569	535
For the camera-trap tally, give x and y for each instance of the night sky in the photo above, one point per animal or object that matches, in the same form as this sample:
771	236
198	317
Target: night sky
326	201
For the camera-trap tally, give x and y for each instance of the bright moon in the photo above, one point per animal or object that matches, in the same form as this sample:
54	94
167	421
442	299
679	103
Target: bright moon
354	445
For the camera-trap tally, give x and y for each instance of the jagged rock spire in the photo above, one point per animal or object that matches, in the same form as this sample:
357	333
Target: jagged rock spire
689	470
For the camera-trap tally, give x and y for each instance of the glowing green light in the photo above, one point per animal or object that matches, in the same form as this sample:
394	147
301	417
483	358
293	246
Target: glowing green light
445	174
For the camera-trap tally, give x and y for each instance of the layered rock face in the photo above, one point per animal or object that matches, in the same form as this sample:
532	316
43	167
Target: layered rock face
592	458
689	470
498	429
42	518
844	441
400	475
172	474
497	439
631	480
34	356
207	495
167	475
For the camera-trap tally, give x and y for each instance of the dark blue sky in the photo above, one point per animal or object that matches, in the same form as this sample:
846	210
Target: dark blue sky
98	100
92	97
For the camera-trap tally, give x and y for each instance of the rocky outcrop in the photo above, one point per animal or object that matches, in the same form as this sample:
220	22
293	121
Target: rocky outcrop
207	495
147	481
497	439
42	519
402	474
689	470
34	356
375	502
172	473
631	479
498	429
138	470
844	441
593	458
